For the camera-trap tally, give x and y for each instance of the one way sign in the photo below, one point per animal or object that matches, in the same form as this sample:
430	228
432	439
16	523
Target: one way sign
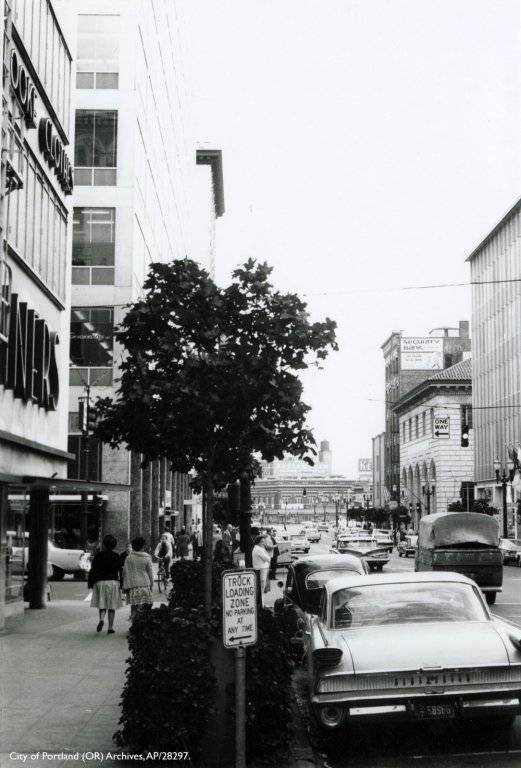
442	426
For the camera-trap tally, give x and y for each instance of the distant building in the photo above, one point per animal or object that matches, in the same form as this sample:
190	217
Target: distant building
409	361
310	494
378	480
291	466
495	271
436	443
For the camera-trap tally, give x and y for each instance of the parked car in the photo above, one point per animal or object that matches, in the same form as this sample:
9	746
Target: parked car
407	546
363	547
62	561
511	551
302	590
299	543
411	647
465	542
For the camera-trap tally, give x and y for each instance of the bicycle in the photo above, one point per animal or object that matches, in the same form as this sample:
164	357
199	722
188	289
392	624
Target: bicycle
162	575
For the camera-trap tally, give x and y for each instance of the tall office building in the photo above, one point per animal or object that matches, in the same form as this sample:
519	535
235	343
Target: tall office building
495	271
144	193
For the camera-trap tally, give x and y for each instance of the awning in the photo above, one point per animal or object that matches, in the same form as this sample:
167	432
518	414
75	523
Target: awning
72	486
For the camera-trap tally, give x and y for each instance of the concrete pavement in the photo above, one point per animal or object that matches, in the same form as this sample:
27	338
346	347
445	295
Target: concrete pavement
60	685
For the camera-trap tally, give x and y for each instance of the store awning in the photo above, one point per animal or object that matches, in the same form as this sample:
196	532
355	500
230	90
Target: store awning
69	485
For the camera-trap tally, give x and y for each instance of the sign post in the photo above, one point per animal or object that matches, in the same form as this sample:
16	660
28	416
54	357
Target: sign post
239	590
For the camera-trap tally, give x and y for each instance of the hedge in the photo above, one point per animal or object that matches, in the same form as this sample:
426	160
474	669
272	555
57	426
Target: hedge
170	682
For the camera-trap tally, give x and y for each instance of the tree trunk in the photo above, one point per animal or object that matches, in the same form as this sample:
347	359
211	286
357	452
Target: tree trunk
208	545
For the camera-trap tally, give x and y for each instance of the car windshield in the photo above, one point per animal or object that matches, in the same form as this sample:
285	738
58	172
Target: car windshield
378	604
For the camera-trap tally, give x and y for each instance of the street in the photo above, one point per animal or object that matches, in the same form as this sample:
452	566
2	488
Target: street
441	745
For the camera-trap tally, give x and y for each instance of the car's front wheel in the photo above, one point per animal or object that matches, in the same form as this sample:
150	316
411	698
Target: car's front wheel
80	575
57	573
490	597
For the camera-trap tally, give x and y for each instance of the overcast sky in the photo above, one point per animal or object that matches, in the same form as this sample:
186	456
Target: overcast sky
368	146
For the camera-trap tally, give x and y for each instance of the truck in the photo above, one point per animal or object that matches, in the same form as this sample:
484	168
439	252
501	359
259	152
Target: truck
464	542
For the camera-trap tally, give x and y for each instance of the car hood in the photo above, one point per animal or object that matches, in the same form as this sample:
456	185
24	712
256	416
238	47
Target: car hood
416	646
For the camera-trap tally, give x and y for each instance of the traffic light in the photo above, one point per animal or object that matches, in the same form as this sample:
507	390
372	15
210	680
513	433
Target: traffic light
303	491
464	436
418	506
82	415
92	419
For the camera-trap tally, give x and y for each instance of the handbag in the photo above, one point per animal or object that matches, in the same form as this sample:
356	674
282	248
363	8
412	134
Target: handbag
267	587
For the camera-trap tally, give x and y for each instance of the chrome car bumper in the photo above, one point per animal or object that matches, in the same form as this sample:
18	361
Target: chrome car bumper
334	710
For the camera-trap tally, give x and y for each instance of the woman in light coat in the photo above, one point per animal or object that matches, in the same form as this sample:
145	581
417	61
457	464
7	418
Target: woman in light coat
261	562
138	576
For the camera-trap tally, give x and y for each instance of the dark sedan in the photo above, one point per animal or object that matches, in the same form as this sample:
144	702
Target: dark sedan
303	589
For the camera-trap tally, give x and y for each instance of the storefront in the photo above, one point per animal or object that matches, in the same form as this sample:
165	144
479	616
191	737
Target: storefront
35	188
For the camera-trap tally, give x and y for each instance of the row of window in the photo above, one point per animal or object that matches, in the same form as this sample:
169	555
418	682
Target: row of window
92	346
413	429
37	220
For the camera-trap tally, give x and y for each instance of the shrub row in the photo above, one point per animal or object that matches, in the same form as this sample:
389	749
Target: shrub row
170	685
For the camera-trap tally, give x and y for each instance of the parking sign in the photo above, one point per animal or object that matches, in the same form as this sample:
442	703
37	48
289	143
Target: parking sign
239	608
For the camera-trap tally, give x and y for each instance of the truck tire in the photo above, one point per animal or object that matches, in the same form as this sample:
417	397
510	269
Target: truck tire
490	597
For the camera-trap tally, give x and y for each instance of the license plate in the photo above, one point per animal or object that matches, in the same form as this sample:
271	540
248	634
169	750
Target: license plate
434	711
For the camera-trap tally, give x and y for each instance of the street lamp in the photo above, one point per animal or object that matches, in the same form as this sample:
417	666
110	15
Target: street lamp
336	499
314	508
429	490
324	504
504	476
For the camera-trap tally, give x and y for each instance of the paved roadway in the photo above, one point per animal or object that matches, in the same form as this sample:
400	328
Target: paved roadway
427	745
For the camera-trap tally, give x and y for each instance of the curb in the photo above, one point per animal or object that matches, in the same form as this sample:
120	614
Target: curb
302	754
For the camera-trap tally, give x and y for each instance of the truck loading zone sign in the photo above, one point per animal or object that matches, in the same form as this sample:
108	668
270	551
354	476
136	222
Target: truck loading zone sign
442	426
239	608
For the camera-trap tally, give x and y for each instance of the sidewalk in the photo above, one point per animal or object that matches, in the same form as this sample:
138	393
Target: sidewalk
60	684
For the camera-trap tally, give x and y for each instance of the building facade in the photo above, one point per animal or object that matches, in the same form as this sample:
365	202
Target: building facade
436	440
35	187
293	467
409	361
495	271
379	488
144	193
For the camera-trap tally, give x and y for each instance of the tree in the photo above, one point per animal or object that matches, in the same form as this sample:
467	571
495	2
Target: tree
210	376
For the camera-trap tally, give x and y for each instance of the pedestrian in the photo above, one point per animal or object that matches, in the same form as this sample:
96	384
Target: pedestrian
183	540
274	556
104	580
138	576
164	552
170	538
261	563
227	544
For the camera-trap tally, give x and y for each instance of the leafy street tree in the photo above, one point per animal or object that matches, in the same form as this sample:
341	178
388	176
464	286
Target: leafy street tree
210	376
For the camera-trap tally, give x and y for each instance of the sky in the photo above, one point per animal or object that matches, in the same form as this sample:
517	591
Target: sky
368	146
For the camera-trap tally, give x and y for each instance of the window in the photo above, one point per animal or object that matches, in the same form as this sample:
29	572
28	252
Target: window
410	429
95	150
37	221
403	432
432	421
416	426
424	423
92	346
93	239
98	52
